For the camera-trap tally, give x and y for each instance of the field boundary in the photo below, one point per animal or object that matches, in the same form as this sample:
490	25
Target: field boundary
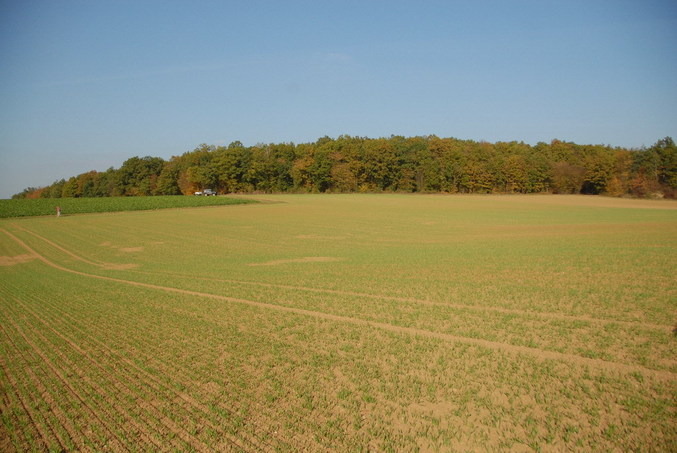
506	347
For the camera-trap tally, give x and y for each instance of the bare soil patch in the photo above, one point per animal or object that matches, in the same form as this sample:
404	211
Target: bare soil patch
317	236
14	260
307	259
131	249
120	267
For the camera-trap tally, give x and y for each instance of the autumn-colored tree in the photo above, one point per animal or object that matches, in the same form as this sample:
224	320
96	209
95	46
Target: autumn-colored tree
397	163
599	164
567	178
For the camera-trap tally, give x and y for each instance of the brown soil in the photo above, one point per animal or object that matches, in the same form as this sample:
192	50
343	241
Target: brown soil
131	249
325	238
505	347
546	315
120	267
66	381
129	369
14	260
482	308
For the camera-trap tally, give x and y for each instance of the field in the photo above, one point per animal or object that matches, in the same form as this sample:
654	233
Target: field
343	323
47	206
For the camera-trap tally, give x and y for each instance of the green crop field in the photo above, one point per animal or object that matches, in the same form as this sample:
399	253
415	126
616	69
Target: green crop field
47	206
343	323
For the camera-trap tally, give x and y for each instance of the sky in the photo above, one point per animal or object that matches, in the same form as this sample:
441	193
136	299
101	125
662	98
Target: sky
85	85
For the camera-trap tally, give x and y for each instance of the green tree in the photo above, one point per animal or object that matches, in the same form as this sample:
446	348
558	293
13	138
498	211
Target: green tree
231	164
70	188
666	151
138	176
203	177
379	166
167	181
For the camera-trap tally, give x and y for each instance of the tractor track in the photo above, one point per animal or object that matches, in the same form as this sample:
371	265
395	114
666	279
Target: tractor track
481	308
505	347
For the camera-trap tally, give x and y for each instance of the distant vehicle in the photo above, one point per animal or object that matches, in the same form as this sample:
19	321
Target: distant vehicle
206	193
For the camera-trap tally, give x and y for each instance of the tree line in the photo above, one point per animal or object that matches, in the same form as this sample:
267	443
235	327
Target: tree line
394	164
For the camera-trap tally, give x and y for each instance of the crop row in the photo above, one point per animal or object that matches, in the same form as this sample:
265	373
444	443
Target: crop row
648	345
632	343
119	396
450	326
145	358
46	206
274	380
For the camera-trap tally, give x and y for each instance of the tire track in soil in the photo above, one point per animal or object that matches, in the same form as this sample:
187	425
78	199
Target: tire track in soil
541	354
106	264
54	407
185	397
484	308
301	440
64	250
149	408
157	384
113	436
182	313
512	311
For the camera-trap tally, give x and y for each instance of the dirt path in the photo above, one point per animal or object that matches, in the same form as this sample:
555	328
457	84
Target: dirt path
506	347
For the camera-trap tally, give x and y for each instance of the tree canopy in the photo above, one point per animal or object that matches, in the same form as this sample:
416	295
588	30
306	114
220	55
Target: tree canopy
394	164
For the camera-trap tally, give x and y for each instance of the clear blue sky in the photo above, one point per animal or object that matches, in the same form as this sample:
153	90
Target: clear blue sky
84	85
